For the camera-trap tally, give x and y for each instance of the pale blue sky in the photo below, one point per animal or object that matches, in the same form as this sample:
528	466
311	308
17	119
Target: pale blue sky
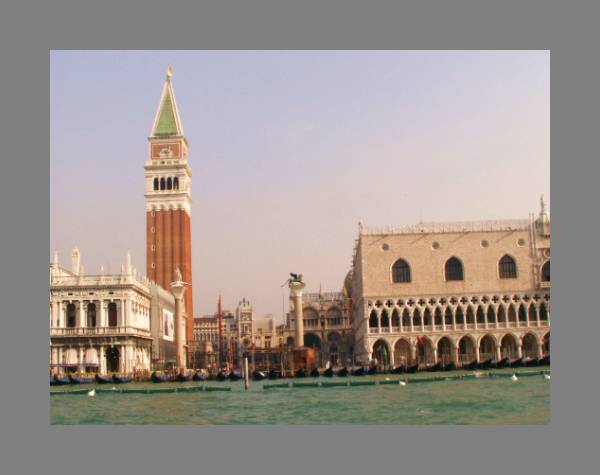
289	149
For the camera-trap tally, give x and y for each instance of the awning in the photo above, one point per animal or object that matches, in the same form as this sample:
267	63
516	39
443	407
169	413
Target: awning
71	357
91	357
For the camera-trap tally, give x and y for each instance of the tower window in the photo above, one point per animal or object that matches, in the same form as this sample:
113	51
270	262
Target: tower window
400	271
175	183
454	269
507	267
169	183
162	183
155	184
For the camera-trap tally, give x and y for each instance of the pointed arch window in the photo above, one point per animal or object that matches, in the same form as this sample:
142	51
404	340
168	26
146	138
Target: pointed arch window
546	272
162	183
401	271
453	269
507	267
155	186
169	183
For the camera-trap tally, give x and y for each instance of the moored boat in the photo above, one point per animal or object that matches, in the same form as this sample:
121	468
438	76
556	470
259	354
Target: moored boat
235	376
182	378
360	371
258	375
398	370
314	373
80	379
449	367
503	363
372	370
471	366
342	373
545	361
103	379
120	379
516	363
328	373
61	380
412	368
222	376
273	374
198	376
301	373
158	377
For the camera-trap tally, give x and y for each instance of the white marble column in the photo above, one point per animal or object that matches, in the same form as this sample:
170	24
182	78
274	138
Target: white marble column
519	351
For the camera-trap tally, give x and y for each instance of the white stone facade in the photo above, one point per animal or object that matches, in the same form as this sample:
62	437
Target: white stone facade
99	323
452	292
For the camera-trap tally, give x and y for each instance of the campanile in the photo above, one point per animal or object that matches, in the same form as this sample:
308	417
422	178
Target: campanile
168	200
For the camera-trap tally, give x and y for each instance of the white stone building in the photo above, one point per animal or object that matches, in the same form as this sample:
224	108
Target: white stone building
452	292
99	323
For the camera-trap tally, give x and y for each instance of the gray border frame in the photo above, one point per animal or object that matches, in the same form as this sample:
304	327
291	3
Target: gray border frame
28	30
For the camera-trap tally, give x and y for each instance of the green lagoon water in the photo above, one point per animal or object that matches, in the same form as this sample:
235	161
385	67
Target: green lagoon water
470	401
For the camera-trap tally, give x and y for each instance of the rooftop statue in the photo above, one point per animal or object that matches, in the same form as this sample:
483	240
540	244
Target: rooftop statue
293	278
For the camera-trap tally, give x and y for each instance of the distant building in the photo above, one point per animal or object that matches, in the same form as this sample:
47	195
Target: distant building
327	327
452	292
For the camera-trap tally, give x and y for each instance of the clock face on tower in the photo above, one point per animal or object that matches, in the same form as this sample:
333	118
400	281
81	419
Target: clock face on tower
166	150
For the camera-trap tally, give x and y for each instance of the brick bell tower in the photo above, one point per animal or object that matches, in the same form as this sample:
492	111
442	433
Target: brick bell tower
168	200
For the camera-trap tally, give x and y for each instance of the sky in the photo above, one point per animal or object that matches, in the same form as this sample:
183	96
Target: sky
289	150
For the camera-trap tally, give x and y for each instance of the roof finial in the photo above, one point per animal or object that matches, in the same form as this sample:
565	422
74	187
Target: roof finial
542	205
169	73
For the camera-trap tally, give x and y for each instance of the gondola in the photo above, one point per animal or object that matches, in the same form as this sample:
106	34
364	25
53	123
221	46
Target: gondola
103	379
532	362
301	373
80	379
52	382
372	370
120	379
434	367
471	366
158	378
61	380
516	363
222	376
235	376
503	363
486	364
314	373
449	367
198	377
398	370
272	374
258	375
182	378
360	371
328	373
545	361
342	373
412	368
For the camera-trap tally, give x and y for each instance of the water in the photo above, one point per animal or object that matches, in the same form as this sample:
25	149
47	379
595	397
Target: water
470	401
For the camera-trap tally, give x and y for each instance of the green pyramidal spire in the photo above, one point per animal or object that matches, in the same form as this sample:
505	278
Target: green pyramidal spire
167	121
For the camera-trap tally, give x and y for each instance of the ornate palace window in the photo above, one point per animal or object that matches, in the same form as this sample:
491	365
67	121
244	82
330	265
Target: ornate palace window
507	267
453	269
400	271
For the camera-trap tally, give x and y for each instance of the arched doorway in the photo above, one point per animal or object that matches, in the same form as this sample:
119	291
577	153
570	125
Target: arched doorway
381	352
487	348
508	346
402	353
334	341
112	359
312	341
445	350
466	349
530	346
424	350
290	341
